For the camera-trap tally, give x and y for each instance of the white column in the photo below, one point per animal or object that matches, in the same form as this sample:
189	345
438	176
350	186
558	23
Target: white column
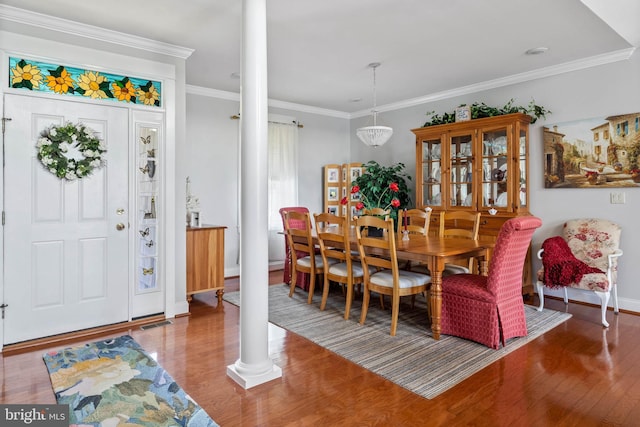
254	366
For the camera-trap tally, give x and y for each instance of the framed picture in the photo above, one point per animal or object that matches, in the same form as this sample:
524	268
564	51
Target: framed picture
344	191
332	194
599	152
333	175
355	197
463	113
344	210
355	173
333	210
344	174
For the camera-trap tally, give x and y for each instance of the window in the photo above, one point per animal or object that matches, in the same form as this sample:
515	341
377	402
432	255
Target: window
637	124
596	136
625	128
283	167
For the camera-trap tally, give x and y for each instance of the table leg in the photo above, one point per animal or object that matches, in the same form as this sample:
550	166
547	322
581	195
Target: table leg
436	302
483	265
436	266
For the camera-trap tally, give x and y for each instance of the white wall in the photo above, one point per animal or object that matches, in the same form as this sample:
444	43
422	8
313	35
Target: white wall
212	161
595	92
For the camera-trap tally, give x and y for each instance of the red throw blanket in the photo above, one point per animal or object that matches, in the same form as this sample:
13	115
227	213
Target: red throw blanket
561	267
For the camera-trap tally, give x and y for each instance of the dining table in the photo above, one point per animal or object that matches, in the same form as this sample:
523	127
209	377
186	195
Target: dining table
435	252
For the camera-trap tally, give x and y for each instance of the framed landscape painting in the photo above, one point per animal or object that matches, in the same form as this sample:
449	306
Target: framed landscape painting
593	153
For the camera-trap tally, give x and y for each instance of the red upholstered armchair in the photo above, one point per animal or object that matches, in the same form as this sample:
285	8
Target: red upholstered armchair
489	309
302	279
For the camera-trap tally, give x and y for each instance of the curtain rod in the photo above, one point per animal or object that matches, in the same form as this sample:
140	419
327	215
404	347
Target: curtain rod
237	117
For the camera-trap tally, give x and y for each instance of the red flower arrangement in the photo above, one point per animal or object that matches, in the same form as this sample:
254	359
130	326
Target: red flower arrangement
365	203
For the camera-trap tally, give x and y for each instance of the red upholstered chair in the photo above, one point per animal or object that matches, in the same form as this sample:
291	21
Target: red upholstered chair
489	309
302	279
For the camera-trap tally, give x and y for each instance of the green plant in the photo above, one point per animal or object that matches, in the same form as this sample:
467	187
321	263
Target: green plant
481	110
377	189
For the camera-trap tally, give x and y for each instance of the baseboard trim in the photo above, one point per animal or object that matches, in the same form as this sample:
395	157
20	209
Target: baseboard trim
588	304
62	339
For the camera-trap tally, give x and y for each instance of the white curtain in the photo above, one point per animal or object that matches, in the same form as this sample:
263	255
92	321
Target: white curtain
283	179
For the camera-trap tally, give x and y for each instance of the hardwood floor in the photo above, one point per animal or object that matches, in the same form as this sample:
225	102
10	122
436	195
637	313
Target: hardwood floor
578	374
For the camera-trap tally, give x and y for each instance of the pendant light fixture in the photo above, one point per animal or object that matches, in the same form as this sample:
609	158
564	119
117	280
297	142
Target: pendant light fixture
375	135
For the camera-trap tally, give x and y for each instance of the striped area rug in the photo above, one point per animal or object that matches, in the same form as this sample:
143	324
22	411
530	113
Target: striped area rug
411	359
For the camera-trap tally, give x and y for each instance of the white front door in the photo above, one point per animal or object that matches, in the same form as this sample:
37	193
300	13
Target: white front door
66	254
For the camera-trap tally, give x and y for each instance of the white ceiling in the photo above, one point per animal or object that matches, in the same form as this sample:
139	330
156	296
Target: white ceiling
318	51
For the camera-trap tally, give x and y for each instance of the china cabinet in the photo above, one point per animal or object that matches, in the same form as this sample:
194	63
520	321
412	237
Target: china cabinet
477	165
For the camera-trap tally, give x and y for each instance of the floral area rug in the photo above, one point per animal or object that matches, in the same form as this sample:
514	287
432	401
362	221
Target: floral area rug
115	382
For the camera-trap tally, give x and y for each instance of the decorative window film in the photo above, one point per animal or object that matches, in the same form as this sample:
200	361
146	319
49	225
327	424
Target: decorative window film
147	223
65	80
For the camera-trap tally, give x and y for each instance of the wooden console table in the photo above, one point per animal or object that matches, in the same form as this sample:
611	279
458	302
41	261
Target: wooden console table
205	260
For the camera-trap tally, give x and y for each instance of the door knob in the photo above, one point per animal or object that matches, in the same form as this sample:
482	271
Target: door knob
120	226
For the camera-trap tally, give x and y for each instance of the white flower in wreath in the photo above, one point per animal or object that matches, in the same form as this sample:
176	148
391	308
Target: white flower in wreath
47	161
70	151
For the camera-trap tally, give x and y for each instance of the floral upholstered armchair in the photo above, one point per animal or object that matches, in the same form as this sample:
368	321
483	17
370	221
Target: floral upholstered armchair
585	258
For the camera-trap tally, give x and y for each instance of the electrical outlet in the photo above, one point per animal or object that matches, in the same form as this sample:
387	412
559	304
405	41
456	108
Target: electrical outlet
618	198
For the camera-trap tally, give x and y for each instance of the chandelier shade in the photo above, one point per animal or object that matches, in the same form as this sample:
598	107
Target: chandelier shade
374	136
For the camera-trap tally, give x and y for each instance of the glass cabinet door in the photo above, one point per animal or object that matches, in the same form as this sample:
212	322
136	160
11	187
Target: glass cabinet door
461	161
432	172
495	149
522	162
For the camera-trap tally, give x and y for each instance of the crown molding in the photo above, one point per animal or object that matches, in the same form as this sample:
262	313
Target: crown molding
233	96
580	64
212	93
21	16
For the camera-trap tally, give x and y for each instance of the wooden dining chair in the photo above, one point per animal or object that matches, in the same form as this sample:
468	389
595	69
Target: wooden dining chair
302	280
301	242
414	221
459	224
377	212
388	278
338	260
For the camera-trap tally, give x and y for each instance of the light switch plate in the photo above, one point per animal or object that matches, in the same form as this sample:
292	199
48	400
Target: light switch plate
618	198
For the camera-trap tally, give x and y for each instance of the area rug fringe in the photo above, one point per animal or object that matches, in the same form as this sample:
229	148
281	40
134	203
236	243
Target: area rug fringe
411	359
